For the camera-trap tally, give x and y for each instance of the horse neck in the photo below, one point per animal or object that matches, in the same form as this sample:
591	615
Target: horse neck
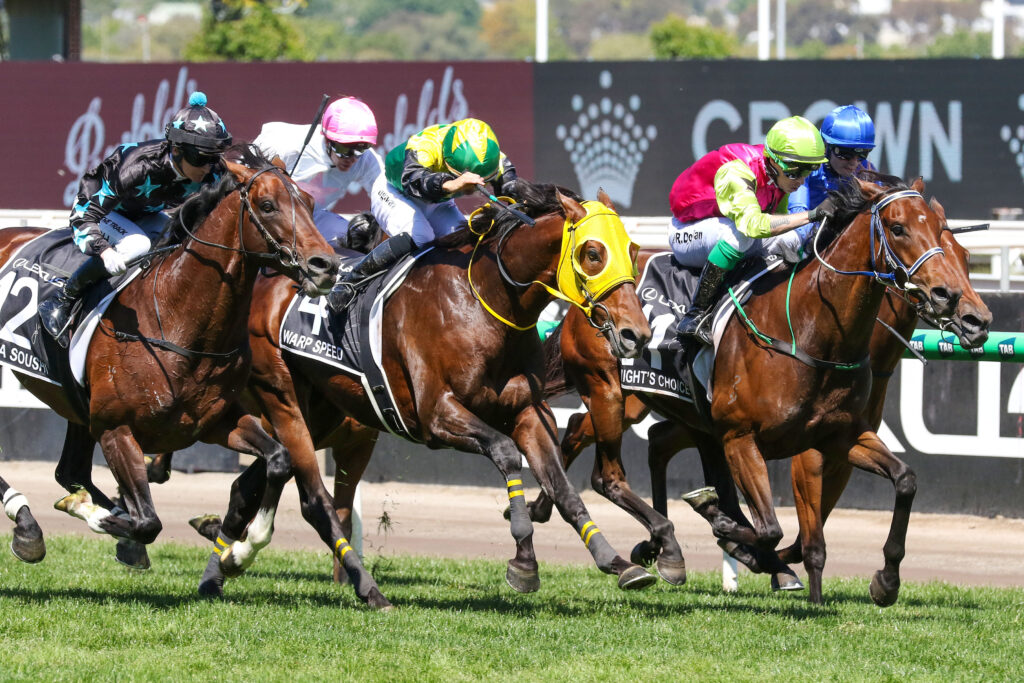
530	254
213	284
838	311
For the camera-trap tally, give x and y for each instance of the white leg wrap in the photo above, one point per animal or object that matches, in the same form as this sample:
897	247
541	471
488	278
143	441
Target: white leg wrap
14	500
261	528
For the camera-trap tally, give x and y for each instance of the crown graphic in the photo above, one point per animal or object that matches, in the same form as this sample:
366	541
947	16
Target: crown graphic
606	144
1014	139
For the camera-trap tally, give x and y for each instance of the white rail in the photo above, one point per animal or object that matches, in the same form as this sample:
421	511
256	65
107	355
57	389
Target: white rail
1002	243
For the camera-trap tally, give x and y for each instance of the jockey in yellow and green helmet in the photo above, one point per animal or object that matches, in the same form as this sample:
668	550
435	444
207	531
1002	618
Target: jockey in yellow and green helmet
424	175
733	197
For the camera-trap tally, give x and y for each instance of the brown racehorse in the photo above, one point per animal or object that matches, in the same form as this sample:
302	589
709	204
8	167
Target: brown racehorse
170	356
27	544
798	409
462	379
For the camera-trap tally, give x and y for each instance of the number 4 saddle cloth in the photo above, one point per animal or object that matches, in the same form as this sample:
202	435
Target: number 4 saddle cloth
34	273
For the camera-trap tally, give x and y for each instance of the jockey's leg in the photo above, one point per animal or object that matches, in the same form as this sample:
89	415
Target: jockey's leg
383	256
717	245
55	312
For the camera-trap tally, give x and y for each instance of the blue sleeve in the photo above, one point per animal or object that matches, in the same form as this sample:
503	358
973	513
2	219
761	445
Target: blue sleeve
798	199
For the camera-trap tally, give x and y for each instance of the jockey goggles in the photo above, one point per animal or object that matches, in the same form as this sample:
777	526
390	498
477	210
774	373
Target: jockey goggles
343	151
196	157
792	170
847	153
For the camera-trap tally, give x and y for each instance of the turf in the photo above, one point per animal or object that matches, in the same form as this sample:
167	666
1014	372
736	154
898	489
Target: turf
80	616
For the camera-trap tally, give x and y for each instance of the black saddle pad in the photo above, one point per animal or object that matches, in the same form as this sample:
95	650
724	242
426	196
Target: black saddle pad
665	291
347	340
30	276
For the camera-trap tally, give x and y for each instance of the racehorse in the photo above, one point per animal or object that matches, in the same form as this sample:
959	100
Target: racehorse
27	544
170	355
770	406
466	372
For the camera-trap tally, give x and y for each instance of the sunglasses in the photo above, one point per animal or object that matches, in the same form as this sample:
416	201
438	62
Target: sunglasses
196	157
344	151
847	153
797	171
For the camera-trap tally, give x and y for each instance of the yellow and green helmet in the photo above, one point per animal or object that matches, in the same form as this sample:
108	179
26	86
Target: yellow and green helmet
795	141
471	145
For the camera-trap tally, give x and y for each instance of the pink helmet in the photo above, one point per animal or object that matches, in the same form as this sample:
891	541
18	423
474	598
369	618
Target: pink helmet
349	121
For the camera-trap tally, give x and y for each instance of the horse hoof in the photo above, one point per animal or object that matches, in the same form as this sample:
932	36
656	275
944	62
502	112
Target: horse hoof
208	526
644	553
884	593
132	554
156	475
786	581
376	600
228	566
522	580
701	497
635	578
71	502
211	588
28	548
671	571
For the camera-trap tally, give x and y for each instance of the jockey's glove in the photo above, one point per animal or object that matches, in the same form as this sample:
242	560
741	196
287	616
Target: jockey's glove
113	261
823	210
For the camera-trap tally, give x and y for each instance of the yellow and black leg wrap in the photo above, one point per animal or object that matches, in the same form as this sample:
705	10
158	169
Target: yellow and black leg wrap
597	545
341	548
519	517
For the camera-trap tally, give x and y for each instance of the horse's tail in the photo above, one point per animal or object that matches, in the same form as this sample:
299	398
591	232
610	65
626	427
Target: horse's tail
556	382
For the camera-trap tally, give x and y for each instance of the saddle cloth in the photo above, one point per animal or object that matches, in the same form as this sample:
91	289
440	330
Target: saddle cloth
665	290
28	278
351	340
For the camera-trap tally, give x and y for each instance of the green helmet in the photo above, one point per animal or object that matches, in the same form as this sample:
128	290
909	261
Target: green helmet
470	145
795	141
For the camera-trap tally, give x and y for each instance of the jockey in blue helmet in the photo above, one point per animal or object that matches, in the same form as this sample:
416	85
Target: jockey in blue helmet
849	136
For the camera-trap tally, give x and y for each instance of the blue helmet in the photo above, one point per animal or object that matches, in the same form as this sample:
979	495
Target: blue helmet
848	126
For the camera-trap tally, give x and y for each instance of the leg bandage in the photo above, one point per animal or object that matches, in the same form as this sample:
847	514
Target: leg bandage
14	500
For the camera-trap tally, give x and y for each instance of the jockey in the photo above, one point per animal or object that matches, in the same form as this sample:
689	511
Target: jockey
731	198
339	154
424	175
119	204
849	136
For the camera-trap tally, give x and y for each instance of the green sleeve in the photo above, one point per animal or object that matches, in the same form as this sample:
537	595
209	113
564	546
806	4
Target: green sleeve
734	190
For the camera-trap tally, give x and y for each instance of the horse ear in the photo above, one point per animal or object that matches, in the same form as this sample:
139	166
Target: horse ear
918	185
240	172
939	210
869	190
573	211
603	197
277	161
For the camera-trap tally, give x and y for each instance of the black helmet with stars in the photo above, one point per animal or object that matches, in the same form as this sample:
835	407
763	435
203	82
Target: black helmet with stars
198	126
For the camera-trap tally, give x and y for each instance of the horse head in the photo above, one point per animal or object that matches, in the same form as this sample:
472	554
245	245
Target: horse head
913	249
276	226
603	267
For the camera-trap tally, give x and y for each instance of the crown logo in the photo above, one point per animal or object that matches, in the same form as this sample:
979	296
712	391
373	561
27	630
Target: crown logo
606	144
1014	139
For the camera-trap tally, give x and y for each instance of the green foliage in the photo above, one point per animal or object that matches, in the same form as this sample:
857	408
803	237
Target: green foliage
249	33
961	43
508	27
621	46
79	616
674	38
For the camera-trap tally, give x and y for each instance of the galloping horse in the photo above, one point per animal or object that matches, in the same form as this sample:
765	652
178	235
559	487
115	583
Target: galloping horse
768	406
465	365
171	354
27	544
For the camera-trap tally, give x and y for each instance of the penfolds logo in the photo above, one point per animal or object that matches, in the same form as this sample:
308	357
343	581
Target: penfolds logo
451	105
87	143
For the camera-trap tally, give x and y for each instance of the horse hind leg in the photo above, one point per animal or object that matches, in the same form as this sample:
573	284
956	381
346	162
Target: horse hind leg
27	544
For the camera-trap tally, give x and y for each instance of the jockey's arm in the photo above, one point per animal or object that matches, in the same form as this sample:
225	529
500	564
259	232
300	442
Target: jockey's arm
98	191
734	189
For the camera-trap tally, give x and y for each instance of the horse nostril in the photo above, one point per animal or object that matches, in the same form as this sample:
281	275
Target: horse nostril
628	337
323	264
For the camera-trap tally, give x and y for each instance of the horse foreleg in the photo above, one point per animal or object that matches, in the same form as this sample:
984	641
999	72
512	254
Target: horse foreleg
125	458
871	455
807	470
351	447
664	440
750	473
579	434
158	467
28	544
535	433
74	469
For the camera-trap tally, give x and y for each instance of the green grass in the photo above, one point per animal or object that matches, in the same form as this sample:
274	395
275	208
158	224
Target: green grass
79	616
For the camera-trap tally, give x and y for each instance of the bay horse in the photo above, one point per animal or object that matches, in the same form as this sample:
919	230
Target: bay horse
465	364
171	355
28	544
814	412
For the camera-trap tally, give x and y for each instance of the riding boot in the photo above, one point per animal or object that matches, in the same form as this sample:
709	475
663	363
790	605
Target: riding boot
382	257
690	325
55	312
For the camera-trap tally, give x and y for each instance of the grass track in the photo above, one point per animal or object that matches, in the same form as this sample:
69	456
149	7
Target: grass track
80	616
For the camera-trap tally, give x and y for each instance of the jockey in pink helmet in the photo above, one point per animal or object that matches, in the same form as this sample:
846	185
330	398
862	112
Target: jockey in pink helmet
339	154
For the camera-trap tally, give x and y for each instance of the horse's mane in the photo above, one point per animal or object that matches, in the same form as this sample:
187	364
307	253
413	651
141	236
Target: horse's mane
198	206
532	199
849	201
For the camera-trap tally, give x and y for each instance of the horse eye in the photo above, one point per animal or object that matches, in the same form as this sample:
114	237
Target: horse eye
593	254
267	206
896	229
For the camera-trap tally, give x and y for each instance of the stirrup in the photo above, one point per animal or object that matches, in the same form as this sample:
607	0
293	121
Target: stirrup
341	296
